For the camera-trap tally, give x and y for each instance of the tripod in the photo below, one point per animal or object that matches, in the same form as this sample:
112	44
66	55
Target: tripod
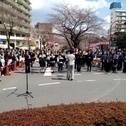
27	93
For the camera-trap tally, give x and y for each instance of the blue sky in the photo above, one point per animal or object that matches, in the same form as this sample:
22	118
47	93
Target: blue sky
41	8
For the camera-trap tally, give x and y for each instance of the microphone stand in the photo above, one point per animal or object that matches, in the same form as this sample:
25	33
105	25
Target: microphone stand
27	93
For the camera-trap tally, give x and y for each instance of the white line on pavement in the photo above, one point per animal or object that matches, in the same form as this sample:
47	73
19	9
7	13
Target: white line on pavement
9	88
45	84
90	80
119	79
86	80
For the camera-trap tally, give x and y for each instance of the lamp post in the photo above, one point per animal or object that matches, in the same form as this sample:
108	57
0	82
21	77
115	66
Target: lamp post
29	43
110	31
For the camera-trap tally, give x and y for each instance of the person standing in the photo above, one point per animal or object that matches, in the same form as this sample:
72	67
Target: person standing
52	62
1	68
89	61
114	62
71	62
42	61
60	61
120	61
124	65
79	61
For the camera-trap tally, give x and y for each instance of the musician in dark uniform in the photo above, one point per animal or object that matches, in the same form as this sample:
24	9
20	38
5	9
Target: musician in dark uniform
79	57
1	68
89	60
60	61
114	63
52	62
32	56
108	63
124	65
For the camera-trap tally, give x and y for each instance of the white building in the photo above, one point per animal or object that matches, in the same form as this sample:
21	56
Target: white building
117	18
15	14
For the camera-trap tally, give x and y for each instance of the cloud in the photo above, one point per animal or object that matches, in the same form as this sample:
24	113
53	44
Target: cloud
107	25
37	4
96	4
41	8
107	19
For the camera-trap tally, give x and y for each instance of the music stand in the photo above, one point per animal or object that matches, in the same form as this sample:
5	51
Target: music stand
27	93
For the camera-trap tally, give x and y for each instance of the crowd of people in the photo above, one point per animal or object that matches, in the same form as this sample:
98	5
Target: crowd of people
106	60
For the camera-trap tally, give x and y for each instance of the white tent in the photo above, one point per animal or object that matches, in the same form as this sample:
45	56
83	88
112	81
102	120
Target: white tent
4	46
25	47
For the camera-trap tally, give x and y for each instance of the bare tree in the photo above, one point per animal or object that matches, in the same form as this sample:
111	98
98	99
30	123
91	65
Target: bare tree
72	23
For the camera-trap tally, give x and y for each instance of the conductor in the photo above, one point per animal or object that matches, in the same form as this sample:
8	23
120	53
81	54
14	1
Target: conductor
71	61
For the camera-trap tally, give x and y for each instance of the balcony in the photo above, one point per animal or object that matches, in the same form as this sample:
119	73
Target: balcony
18	7
12	38
25	4
22	15
20	30
1	26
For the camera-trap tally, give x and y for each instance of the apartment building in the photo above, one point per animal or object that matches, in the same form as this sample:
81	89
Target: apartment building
117	18
15	19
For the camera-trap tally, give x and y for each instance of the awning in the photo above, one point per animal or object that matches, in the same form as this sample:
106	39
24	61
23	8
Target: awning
1	40
93	45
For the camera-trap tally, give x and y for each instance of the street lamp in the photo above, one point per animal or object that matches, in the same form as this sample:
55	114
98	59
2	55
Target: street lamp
110	31
29	43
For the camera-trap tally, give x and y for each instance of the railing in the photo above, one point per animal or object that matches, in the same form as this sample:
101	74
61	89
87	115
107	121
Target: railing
25	4
12	37
18	7
8	9
21	30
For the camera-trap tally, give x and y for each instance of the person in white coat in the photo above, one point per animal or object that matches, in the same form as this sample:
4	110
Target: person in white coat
71	62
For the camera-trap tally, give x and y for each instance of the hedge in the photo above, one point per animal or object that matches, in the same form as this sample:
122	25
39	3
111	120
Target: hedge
83	114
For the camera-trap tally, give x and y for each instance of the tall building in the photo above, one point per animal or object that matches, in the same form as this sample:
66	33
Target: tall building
117	18
43	31
15	15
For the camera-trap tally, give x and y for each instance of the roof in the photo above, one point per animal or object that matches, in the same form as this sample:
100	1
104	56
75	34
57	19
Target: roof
115	5
121	10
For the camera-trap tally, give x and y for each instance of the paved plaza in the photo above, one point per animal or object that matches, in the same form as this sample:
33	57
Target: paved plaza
54	89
